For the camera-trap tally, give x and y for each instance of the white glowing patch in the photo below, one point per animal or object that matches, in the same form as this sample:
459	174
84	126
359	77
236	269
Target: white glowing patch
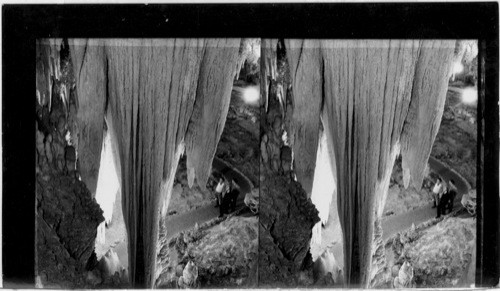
469	95
323	187
284	137
457	68
256	51
101	233
68	138
107	182
251	95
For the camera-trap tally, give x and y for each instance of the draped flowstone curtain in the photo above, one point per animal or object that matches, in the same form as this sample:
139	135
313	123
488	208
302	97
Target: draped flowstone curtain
159	96
376	99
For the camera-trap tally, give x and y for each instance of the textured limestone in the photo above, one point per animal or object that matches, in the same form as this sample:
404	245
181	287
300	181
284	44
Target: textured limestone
286	215
211	106
155	90
66	207
306	65
268	67
89	68
376	97
426	108
48	67
66	215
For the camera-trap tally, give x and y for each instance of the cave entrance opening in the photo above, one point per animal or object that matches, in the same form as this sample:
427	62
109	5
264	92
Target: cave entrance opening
111	233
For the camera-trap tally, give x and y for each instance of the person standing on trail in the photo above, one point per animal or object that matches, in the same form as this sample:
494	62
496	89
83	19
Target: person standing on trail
438	187
442	198
451	194
229	197
232	196
218	192
224	188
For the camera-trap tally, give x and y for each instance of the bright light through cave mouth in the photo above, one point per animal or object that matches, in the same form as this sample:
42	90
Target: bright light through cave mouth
251	95
458	68
469	95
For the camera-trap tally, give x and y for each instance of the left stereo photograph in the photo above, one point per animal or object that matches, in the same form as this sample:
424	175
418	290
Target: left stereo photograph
147	163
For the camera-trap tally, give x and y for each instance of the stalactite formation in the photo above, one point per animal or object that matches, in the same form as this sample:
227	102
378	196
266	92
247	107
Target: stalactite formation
210	109
89	67
155	95
430	84
306	67
375	97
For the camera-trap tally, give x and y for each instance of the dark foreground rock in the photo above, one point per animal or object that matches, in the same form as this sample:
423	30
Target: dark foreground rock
67	220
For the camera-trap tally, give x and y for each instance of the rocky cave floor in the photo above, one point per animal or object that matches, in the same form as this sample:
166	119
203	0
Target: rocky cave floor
440	251
224	250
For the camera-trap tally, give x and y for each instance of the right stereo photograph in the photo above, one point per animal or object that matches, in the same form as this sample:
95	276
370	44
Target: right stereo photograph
368	163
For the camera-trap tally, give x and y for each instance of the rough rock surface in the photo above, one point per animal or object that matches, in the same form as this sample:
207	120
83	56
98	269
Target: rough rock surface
67	220
189	278
404	278
224	251
440	255
66	215
286	215
65	205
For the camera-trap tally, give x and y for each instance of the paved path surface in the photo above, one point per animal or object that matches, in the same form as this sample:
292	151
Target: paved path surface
187	220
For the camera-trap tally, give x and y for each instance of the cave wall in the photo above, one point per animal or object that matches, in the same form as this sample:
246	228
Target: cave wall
377	98
66	215
306	65
286	215
158	95
89	66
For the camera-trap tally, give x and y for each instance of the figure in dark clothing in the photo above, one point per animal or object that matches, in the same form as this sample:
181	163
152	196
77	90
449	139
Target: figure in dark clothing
441	199
447	200
229	199
450	196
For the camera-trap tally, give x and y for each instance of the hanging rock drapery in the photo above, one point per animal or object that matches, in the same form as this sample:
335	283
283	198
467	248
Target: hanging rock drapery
377	99
150	91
